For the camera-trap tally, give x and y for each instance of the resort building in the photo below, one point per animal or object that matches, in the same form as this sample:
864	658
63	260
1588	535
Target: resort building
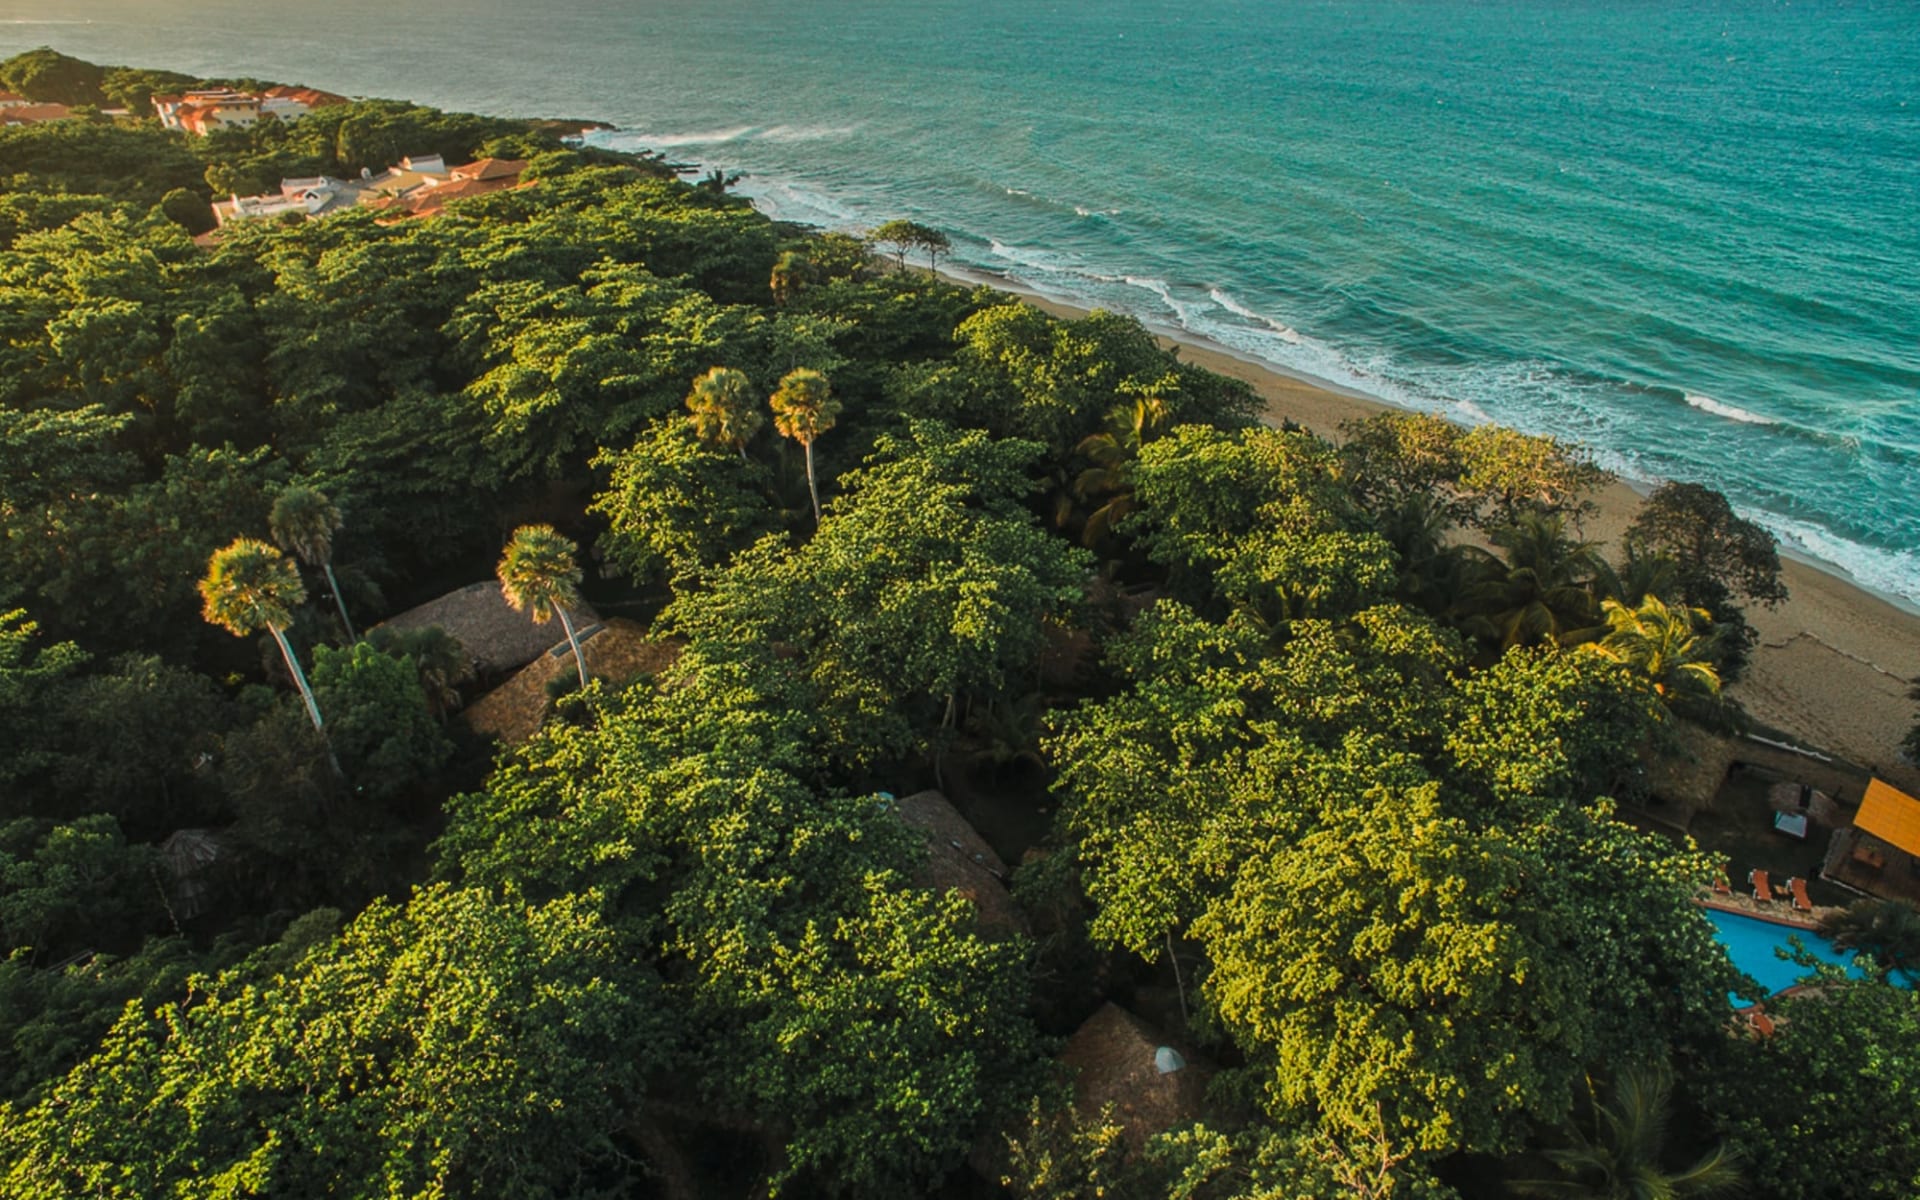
1880	852
474	179
313	197
202	112
12	100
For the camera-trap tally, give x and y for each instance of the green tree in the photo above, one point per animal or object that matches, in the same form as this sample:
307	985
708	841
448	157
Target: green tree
460	1044
304	522
250	586
674	505
904	235
1617	1149
31	677
382	727
803	409
440	662
539	575
723	410
1826	1105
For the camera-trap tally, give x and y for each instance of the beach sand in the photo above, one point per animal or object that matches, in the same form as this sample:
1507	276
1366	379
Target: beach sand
1833	663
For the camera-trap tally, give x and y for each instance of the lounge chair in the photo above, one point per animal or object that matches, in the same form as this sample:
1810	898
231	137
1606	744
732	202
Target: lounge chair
1762	888
1722	886
1799	888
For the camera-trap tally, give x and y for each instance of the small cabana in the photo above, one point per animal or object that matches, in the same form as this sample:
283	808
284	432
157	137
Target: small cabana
1880	852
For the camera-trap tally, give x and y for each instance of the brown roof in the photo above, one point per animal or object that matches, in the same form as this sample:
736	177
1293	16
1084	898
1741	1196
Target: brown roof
498	638
28	114
960	860
491	169
619	652
311	97
1691	769
12	98
1112	1055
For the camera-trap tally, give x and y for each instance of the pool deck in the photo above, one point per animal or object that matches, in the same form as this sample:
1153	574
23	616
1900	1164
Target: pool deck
1779	912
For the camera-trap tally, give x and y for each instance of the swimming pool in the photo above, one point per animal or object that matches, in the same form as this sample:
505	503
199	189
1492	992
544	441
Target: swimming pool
1751	943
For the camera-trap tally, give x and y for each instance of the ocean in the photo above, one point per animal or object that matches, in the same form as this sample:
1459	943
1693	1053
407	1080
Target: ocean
1685	233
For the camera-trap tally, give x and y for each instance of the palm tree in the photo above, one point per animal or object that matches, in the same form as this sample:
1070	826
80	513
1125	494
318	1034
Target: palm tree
1662	642
1619	1156
251	586
538	575
803	409
723	410
304	521
1889	930
1542	595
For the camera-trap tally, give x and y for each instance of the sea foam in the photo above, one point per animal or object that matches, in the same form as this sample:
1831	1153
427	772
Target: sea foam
1730	412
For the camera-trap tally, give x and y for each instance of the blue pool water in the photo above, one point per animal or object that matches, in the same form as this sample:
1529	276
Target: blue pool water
1683	232
1752	943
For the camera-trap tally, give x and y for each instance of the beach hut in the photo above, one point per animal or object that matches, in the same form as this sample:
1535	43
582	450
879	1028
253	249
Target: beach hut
959	859
498	638
1880	852
618	651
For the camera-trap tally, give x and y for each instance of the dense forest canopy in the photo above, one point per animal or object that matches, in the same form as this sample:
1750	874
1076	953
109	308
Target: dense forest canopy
1324	745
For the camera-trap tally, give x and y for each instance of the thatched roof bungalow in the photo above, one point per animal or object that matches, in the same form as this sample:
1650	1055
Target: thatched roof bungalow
618	651
498	638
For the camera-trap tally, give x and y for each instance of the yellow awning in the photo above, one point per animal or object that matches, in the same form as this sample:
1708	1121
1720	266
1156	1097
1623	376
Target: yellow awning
1891	815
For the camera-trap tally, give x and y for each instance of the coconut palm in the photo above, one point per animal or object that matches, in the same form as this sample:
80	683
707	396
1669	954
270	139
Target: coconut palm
250	586
304	521
723	410
1617	1156
1662	642
803	409
539	576
1542	595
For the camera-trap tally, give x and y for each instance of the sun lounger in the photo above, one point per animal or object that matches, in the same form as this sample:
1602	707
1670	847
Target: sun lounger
1722	886
1762	887
1800	901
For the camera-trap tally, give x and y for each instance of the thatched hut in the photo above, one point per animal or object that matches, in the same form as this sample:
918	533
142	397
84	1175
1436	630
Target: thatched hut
1119	1059
1690	773
959	859
618	651
189	855
496	637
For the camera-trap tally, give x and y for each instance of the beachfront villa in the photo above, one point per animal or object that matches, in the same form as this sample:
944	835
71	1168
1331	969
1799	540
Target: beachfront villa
203	111
418	186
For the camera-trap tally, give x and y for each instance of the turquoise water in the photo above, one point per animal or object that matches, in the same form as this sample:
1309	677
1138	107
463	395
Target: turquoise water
1752	945
1687	234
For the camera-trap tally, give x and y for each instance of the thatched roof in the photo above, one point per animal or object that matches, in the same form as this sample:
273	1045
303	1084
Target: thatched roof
961	860
1112	1055
498	638
618	652
1692	771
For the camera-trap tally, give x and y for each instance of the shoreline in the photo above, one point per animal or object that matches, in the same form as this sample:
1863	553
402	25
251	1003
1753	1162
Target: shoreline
1833	661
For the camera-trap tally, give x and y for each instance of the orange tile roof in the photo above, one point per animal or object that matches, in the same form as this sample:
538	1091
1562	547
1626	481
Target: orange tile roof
491	169
1891	815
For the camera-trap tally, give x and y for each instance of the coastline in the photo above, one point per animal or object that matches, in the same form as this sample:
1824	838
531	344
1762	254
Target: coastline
1833	662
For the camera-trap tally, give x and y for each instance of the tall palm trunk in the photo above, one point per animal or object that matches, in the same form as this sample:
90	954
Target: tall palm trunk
306	694
579	660
338	602
813	488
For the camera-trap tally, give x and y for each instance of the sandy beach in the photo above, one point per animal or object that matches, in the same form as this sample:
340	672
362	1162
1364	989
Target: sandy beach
1833	663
